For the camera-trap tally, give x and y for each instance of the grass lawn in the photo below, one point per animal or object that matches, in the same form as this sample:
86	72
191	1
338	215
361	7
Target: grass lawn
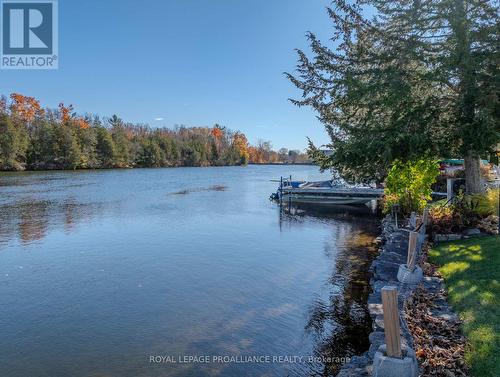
471	270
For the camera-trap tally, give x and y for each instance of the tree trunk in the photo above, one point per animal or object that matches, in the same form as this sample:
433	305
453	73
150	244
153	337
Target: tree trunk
468	97
473	182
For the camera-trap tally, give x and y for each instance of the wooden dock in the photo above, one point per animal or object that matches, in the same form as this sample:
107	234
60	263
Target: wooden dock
347	195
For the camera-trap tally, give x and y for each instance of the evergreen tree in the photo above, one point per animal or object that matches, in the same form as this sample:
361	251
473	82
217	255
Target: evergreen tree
40	152
89	146
150	154
122	153
13	145
105	147
420	78
65	148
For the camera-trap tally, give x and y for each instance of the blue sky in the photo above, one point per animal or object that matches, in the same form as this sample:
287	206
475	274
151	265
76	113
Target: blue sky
192	62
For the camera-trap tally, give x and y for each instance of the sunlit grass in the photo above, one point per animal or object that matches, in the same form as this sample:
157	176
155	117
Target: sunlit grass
471	270
488	203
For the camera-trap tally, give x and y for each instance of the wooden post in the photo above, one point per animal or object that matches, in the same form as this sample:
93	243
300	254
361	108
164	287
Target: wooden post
425	217
449	189
281	191
391	321
423	226
413	220
412	251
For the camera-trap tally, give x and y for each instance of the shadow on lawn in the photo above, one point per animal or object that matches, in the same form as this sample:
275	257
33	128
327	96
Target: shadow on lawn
471	271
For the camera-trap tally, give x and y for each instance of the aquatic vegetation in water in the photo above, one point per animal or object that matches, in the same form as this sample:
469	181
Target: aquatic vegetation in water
199	189
217	188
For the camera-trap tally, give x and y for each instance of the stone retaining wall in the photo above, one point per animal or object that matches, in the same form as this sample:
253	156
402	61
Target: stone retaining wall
393	252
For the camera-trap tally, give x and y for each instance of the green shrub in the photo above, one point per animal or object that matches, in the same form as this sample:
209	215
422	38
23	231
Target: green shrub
409	184
487	204
473	208
466	208
443	219
463	212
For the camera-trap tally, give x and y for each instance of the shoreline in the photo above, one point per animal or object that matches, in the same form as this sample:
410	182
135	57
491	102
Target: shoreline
393	244
150	167
282	163
393	252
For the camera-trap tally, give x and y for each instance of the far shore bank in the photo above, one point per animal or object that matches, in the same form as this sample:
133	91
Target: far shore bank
281	163
46	169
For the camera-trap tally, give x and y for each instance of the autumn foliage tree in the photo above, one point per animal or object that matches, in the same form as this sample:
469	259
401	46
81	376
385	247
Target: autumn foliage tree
65	113
67	117
24	109
241	143
217	132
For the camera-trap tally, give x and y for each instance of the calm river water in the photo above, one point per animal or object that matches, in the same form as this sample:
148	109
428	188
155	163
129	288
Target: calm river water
104	273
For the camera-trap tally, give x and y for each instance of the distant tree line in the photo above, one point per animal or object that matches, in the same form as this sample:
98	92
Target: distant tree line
263	153
35	138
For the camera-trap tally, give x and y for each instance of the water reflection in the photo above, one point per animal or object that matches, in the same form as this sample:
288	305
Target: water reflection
31	220
340	323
